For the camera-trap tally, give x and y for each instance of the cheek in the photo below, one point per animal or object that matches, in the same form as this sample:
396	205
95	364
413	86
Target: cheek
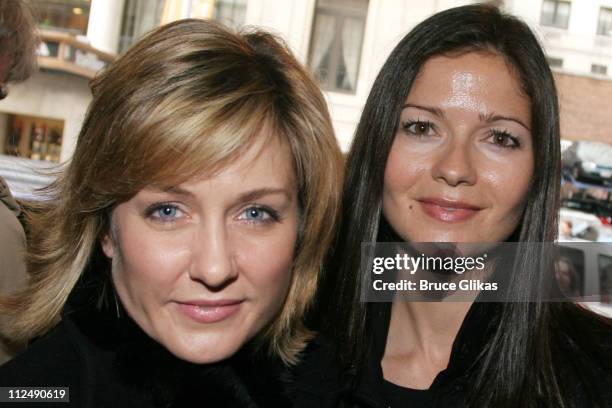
155	258
510	183
266	262
403	169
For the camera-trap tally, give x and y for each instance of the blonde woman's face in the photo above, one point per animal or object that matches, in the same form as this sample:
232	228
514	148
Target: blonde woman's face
204	266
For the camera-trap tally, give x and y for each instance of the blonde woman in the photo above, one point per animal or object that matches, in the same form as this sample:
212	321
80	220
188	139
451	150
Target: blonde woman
184	240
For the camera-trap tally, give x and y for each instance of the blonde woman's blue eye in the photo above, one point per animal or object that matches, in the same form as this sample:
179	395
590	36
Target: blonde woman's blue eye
163	212
255	214
167	212
259	214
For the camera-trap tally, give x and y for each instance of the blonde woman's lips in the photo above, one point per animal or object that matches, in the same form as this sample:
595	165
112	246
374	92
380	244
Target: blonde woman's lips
202	311
447	210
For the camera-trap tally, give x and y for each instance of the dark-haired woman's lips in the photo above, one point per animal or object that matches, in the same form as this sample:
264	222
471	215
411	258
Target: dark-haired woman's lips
447	210
203	311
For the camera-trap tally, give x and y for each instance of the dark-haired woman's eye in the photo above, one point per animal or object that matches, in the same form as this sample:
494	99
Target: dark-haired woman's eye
418	128
504	139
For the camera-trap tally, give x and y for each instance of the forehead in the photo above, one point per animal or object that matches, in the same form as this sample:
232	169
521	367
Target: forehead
267	161
473	80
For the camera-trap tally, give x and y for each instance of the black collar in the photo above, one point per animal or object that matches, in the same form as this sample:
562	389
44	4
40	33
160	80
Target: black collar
468	347
123	355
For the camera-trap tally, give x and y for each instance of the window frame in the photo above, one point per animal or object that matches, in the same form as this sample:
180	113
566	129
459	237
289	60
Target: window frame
234	7
555	62
599	69
600	26
555	15
340	14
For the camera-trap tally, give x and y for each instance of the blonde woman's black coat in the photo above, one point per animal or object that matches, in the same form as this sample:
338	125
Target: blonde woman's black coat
108	361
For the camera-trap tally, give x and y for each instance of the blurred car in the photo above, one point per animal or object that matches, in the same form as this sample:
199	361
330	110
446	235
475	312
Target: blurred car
580	226
589	163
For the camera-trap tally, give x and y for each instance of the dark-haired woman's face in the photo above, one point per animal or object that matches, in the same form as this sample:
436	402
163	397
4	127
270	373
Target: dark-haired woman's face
461	164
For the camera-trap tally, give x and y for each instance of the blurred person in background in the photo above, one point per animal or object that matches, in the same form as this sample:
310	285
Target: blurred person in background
568	277
18	42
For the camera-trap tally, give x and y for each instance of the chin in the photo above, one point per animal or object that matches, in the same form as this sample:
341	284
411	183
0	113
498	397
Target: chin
209	351
207	356
442	236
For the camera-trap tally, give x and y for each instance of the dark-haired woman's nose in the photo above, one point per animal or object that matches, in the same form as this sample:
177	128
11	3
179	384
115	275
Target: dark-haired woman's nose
454	164
211	262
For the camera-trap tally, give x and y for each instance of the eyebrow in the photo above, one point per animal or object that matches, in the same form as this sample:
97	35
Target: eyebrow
178	190
261	192
246	196
430	109
489	118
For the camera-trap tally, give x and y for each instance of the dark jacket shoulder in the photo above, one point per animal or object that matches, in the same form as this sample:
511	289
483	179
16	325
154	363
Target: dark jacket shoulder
315	380
581	347
53	353
109	362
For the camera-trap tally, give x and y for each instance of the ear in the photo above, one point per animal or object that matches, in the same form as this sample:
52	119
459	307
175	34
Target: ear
107	245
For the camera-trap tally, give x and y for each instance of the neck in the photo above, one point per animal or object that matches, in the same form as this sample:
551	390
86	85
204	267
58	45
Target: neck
420	339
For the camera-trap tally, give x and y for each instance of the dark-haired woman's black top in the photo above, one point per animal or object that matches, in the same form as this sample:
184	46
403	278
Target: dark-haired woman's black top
369	388
110	362
318	382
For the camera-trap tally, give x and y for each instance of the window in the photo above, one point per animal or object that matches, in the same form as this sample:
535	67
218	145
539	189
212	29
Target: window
139	16
230	12
32	137
555	62
599	69
335	44
604	26
70	16
555	13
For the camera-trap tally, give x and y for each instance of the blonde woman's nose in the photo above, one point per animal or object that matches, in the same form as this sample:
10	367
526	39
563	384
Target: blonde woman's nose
211	257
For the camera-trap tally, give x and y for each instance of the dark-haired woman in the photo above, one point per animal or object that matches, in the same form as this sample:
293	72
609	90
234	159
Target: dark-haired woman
458	142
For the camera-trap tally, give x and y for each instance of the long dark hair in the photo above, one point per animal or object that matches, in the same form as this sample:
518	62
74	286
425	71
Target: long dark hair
517	366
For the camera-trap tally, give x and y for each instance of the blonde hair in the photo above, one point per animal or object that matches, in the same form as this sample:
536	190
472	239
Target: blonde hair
187	98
